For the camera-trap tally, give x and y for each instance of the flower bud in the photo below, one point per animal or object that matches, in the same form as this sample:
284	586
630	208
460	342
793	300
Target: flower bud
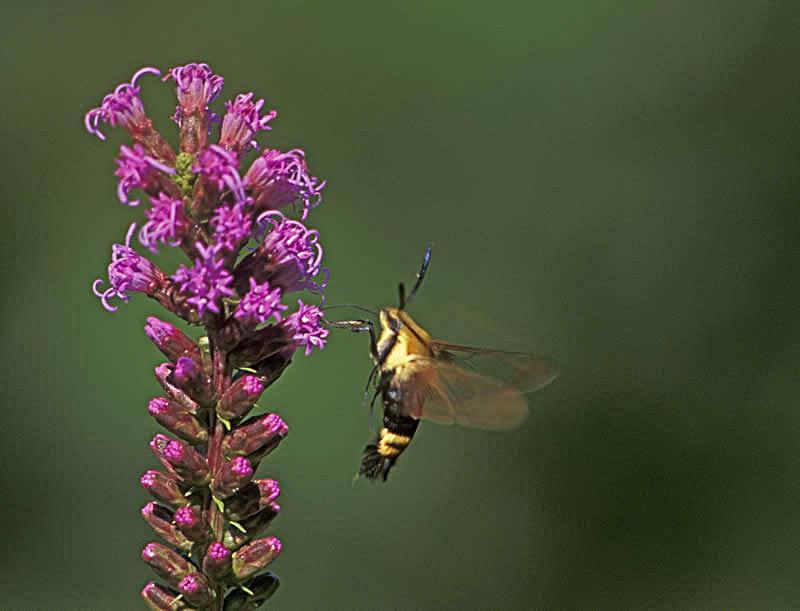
232	475
240	397
164	375
163	488
252	498
178	420
159	598
195	590
166	563
192	523
190	377
253	526
172	342
187	462
256	437
160	520
158	445
217	561
255	557
261	590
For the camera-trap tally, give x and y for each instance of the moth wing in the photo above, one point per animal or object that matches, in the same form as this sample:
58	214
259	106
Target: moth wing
446	393
522	371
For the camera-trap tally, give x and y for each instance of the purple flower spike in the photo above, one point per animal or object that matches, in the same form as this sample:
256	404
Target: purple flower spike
232	226
278	179
260	304
242	121
306	327
128	271
122	107
207	282
166	223
208	506
220	169
198	86
137	170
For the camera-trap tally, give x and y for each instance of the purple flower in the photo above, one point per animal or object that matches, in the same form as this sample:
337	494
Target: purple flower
220	168
232	226
241	122
261	303
122	107
165	224
136	170
305	325
207	282
128	271
294	250
278	179
198	86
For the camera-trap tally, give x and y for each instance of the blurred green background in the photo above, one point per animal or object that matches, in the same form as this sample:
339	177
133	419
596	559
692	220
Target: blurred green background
613	184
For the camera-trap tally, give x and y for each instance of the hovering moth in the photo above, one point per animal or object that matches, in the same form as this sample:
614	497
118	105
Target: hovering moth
421	378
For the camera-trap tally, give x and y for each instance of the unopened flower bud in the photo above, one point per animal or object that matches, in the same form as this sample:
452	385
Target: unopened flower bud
158	444
251	527
255	557
172	342
217	561
189	376
255	496
195	590
232	475
178	420
240	397
166	563
191	523
163	488
164	376
160	520
159	598
256	437
187	462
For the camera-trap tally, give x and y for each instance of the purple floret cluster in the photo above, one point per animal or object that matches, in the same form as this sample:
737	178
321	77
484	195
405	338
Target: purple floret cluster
246	236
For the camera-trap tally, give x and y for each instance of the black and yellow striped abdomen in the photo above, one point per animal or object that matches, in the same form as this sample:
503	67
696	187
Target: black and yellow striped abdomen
392	440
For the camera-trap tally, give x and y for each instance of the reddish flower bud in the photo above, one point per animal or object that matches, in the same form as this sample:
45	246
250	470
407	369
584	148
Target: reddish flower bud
172	342
163	488
255	557
190	377
252	498
164	375
160	520
187	462
195	589
256	437
217	561
166	563
240	397
178	420
157	445
159	598
260	589
192	523
252	527
233	475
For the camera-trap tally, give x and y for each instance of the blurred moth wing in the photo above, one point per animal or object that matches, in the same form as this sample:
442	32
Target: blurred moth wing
482	389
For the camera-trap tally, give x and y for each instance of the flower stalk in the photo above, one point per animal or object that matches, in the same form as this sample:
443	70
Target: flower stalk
245	253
